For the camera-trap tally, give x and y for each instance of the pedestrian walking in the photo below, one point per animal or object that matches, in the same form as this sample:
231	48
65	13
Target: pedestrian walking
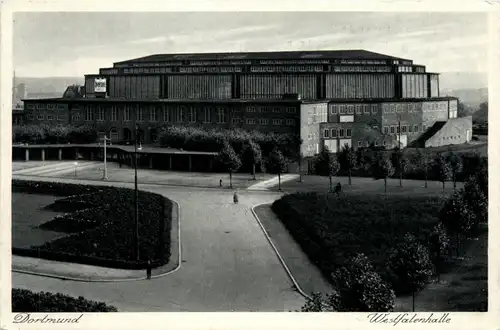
148	270
235	197
220	183
338	189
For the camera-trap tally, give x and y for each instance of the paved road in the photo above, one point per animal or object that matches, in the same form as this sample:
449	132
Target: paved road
227	263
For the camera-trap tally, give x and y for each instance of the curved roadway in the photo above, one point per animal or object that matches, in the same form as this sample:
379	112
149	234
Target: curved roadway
227	262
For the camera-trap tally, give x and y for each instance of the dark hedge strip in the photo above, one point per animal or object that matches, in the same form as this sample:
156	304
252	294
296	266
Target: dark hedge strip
53	134
103	234
330	230
26	301
212	140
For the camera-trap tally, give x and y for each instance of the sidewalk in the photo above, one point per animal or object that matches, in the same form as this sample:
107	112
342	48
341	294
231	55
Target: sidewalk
89	273
265	185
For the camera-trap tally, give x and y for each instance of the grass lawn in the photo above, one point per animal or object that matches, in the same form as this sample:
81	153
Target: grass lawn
27	215
369	186
463	289
330	229
240	180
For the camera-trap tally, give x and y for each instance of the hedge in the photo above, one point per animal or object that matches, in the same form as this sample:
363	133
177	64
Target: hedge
104	233
26	301
332	229
53	134
212	140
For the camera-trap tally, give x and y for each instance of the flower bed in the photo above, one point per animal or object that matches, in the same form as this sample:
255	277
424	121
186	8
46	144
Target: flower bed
26	301
104	234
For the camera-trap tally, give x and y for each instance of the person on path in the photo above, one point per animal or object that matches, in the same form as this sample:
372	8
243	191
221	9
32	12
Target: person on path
148	270
338	188
235	198
220	183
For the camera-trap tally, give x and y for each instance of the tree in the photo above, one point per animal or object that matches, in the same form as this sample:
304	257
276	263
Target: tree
442	168
276	164
463	110
439	243
400	163
457	217
455	162
357	288
252	154
360	288
300	158
476	201
411	266
230	160
347	158
382	168
326	163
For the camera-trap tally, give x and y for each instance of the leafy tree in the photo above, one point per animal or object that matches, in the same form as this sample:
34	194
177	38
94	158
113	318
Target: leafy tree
457	217
455	162
400	163
276	164
439	243
410	263
347	159
230	160
442	168
360	288
382	168
476	201
326	163
253	154
300	159
357	288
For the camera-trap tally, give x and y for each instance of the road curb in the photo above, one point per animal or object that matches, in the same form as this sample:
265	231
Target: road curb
128	279
282	261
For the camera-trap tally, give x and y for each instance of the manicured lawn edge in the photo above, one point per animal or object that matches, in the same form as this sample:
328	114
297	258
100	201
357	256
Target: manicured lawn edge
161	251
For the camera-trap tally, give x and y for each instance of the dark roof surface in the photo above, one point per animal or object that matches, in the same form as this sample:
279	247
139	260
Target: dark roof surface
277	55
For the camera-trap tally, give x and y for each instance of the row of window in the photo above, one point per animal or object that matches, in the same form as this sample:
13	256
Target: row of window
266	121
368	143
41	106
49	117
334	133
179	116
361	68
453	137
404	129
295	68
268	109
354	108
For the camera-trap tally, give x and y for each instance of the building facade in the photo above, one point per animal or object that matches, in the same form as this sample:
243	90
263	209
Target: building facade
331	98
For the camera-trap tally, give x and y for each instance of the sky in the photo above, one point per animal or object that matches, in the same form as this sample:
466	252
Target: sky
68	44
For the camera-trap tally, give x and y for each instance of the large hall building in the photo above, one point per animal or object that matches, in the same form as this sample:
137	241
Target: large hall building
331	98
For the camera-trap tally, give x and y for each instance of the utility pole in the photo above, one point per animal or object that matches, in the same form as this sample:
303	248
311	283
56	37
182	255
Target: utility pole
105	174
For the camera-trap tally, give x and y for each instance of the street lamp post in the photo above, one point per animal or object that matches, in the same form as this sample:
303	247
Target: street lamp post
105	174
136	198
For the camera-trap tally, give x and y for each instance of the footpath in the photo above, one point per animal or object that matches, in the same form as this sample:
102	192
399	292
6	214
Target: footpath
89	273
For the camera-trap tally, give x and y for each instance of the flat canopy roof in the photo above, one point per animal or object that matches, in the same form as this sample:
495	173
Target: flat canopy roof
271	55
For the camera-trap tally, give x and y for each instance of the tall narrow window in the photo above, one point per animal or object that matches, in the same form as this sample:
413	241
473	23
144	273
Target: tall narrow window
126	113
207	115
114	113
192	115
153	113
221	116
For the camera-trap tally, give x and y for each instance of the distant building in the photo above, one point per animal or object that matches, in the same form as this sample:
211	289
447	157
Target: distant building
331	98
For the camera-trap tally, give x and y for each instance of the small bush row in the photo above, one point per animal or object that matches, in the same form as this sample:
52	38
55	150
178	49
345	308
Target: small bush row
26	301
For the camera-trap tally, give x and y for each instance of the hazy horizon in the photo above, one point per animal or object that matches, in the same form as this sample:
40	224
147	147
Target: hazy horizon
64	44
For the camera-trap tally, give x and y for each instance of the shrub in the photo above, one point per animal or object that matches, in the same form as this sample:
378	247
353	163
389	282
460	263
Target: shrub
360	288
110	224
410	264
439	244
456	216
26	301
